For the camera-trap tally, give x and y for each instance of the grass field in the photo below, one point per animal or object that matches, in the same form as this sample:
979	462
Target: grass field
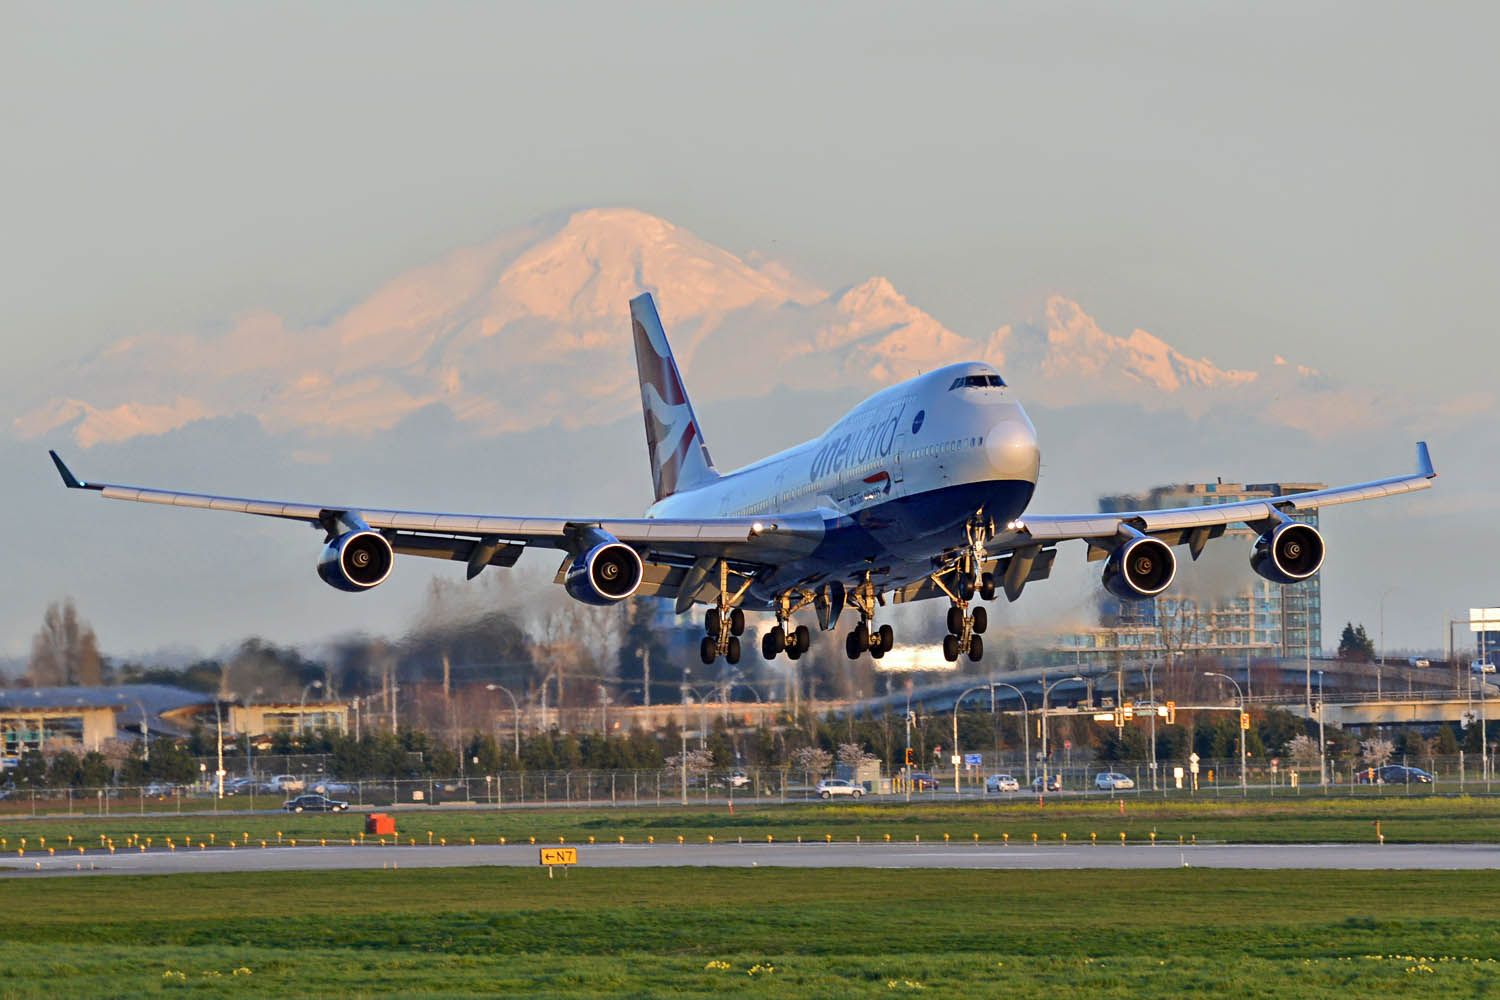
1419	819
755	932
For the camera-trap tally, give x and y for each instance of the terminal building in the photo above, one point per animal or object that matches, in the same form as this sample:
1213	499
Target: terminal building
1224	610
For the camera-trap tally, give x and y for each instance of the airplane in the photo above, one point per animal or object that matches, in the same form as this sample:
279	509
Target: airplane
919	492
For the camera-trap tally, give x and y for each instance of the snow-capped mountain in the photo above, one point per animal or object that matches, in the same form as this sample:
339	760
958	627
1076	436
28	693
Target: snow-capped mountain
532	328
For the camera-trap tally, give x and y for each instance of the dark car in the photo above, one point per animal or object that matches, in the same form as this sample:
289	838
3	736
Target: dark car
314	803
922	781
1398	774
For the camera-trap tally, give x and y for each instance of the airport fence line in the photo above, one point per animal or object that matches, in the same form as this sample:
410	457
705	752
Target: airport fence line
1462	774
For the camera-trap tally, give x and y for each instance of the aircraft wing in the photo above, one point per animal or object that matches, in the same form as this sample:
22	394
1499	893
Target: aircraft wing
1197	525
671	547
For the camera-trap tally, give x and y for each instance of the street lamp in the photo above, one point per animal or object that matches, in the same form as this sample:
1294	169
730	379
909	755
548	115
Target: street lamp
1151	689
145	729
302	705
1025	723
1047	693
682	730
1380	650
1322	744
956	755
1244	787
515	709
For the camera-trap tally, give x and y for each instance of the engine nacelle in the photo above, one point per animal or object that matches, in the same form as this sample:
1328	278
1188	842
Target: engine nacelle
1288	553
608	572
1143	567
356	561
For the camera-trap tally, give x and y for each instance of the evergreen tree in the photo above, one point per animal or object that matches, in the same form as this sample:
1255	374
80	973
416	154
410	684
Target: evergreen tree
1356	644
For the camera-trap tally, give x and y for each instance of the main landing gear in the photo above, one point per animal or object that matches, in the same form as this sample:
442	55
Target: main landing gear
724	623
783	637
866	636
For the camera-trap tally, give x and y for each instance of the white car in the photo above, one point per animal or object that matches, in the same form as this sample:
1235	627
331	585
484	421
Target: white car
1110	781
829	787
1001	783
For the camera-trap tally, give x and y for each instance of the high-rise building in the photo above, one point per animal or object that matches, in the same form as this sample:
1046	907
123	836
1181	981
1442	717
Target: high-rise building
1222	609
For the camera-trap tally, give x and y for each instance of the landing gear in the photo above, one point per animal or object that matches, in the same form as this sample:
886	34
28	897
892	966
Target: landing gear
783	637
962	582
724	624
877	640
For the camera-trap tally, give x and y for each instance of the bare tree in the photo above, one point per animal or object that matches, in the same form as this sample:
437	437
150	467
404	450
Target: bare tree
1303	750
812	761
65	650
852	755
1376	752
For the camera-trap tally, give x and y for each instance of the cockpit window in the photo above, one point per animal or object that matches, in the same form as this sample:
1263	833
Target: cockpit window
977	382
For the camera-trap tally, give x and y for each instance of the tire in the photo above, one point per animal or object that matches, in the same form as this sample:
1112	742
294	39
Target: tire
778	638
711	623
793	653
987	587
981	620
861	635
736	622
877	651
851	646
804	639
966	586
732	654
767	647
887	639
858	793
956	620
976	649
296	809
950	648
708	651
827	795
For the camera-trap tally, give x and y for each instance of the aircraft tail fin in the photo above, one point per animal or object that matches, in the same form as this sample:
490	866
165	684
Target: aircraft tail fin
674	440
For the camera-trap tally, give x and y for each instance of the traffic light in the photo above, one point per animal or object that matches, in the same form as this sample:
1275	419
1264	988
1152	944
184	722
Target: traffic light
1171	713
1245	721
911	757
1129	710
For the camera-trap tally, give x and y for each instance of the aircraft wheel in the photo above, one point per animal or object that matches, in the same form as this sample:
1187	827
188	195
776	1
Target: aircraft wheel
981	621
778	637
708	650
877	651
851	646
804	639
987	586
887	639
950	648
976	648
966	586
956	620
732	654
711	623
793	653
861	635
736	622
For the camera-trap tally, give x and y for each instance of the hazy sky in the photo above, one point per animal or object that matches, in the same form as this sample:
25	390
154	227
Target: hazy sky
1315	180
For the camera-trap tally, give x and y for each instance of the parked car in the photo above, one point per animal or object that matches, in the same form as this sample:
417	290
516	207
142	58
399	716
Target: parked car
922	781
829	787
314	803
333	787
997	783
286	783
1110	781
157	790
1052	783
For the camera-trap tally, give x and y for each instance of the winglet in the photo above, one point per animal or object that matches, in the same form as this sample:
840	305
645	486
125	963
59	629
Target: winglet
71	481
1424	461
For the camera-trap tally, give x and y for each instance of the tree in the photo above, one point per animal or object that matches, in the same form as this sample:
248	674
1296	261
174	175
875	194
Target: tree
1376	752
1355	644
1447	741
852	755
65	650
812	761
1303	750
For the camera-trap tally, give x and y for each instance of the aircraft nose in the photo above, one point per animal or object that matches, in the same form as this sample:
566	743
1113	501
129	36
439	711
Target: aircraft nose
1012	449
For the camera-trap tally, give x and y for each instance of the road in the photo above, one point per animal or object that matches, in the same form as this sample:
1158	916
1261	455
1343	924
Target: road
816	855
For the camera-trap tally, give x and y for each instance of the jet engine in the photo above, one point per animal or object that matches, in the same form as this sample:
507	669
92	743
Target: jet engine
609	572
1142	567
1288	553
356	561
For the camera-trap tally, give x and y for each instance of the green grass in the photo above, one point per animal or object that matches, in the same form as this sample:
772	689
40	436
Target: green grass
1417	819
826	933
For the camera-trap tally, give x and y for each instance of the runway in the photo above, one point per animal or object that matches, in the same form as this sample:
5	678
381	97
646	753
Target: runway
815	855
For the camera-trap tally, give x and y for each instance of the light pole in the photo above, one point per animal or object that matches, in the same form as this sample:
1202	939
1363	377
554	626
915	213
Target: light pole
957	757
219	726
682	731
1025	724
1244	786
1047	693
645	654
515	714
604	711
1322	743
1380	649
1151	689
145	729
302	706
